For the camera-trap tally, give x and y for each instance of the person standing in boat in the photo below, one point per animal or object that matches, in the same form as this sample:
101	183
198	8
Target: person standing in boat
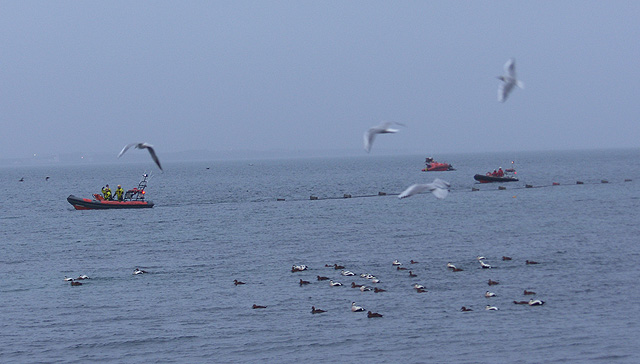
106	193
500	172
120	193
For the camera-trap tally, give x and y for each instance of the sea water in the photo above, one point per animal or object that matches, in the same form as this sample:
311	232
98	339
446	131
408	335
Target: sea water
217	221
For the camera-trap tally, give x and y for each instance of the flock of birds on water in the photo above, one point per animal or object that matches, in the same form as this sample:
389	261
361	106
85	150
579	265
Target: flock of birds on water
371	284
75	281
419	288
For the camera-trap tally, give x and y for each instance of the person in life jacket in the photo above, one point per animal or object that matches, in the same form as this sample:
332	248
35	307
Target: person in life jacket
120	193
500	172
106	192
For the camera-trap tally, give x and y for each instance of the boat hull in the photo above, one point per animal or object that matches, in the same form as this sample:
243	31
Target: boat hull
88	204
438	167
488	179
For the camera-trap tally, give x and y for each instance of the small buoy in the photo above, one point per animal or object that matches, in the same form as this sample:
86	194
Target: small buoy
604	181
579	182
382	193
502	188
346	195
514	196
528	186
555	184
312	197
280	199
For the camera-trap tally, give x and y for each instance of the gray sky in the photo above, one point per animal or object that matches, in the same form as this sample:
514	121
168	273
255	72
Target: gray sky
92	76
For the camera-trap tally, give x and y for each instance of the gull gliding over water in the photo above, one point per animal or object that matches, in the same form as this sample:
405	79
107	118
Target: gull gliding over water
370	134
147	146
509	80
438	187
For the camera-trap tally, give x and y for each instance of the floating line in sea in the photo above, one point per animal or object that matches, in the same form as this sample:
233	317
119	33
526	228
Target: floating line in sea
473	189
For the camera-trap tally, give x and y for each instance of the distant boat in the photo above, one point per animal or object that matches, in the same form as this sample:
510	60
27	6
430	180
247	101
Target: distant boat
433	166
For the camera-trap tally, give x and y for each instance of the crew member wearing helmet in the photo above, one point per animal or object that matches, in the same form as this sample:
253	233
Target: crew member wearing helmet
106	193
120	193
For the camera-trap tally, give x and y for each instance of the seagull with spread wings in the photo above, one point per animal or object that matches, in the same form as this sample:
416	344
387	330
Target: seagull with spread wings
383	128
438	187
509	80
147	146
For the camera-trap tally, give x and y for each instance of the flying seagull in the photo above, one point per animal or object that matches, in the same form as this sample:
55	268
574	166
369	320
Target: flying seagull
509	80
370	134
438	187
149	147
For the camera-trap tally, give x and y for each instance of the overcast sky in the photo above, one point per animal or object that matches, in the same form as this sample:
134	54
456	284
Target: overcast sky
92	76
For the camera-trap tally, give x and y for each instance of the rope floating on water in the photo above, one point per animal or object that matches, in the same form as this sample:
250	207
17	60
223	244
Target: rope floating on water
473	189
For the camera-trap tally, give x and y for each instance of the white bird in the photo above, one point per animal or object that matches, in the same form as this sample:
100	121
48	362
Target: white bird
84	276
491	308
484	265
480	257
67	279
370	134
449	265
438	187
396	262
149	147
509	80
375	280
418	286
298	268
139	271
533	302
489	294
364	288
334	284
347	273
355	308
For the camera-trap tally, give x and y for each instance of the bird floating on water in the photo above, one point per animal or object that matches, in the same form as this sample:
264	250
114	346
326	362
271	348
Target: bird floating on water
373	314
139	271
370	134
334	284
509	80
491	308
356	308
438	187
147	146
315	310
533	302
298	268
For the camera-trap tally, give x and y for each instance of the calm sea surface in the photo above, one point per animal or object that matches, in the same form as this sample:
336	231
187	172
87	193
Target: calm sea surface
218	221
